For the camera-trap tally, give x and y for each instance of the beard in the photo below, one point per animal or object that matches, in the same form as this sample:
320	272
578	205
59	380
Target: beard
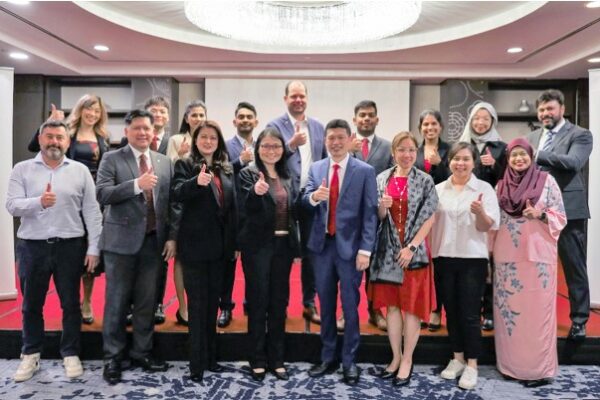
550	124
54	153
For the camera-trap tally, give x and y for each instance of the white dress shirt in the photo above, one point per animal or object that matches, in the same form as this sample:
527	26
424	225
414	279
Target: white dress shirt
454	233
544	136
305	150
137	154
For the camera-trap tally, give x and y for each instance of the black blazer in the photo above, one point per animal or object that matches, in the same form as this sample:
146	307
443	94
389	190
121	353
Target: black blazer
206	229
439	172
491	174
258	213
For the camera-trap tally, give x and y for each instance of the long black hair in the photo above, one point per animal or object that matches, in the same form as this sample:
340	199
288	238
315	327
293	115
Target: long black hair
281	165
220	159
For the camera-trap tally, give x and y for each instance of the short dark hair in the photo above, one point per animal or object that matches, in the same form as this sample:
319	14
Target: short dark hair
53	123
287	87
157	101
338	123
245	104
281	165
434	113
133	114
549	95
458	146
365	104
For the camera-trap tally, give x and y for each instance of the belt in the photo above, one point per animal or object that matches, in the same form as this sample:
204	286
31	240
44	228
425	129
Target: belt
52	240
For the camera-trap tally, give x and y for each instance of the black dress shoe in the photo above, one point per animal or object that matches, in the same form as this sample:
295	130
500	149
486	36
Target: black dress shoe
258	376
324	368
197	376
577	332
149	364
537	383
112	371
281	375
224	319
159	315
386	374
351	375
403	381
487	324
180	319
216	367
311	314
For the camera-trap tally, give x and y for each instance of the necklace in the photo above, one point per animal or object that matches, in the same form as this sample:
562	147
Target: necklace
401	197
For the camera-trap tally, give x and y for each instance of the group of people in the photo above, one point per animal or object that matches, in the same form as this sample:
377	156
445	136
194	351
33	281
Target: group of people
428	223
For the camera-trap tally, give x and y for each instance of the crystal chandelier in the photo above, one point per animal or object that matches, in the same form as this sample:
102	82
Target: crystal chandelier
303	23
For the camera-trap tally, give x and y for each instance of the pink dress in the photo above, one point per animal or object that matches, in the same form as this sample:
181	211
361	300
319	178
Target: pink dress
525	257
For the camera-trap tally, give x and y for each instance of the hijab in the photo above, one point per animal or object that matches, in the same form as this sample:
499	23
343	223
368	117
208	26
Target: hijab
492	135
515	188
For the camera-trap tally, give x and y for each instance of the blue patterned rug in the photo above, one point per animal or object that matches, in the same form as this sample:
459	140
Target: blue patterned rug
574	382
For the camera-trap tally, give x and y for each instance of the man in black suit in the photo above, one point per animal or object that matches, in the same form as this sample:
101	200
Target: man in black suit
563	149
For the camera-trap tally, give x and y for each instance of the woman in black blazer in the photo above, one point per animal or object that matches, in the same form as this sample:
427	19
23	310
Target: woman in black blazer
269	239
204	184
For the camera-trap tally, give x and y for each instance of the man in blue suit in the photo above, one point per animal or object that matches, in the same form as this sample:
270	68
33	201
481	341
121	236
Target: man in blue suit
304	138
342	192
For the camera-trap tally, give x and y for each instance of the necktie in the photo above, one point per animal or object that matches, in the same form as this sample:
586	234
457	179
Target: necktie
549	140
154	143
150	214
334	192
365	148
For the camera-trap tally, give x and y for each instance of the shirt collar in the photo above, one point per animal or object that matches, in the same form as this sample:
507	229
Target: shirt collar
369	138
137	153
39	159
243	141
342	163
558	127
472	183
294	120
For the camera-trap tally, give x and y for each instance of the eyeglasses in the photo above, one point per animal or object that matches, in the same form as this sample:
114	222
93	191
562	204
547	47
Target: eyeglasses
404	150
269	147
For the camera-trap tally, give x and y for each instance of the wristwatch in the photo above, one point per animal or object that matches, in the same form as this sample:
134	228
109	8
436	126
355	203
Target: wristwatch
412	247
543	216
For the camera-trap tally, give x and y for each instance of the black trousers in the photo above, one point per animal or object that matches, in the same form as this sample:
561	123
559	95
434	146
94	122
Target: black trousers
225	298
202	282
573	255
268	285
462	286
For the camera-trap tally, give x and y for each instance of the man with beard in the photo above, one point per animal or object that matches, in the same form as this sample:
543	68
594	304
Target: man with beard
563	149
240	149
377	152
55	200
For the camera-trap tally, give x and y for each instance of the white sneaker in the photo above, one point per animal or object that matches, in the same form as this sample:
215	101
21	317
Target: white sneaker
453	370
468	380
30	363
73	367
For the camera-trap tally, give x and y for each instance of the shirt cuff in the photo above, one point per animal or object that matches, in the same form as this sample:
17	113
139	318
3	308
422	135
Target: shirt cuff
312	202
365	253
93	251
136	187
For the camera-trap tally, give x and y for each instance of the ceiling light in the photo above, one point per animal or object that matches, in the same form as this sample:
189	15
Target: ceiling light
18	56
303	24
594	60
19	2
593	4
101	47
513	50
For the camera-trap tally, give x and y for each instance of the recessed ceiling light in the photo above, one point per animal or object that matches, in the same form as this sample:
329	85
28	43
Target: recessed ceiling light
101	47
594	60
593	4
514	50
18	56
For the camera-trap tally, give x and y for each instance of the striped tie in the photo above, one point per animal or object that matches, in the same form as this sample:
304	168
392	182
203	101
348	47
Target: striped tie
549	141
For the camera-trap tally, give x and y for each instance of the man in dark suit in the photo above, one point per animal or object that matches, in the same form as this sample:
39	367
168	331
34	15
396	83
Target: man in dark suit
240	150
304	138
563	149
342	192
133	184
377	152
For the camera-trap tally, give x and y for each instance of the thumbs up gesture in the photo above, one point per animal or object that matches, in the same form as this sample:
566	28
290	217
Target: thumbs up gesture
204	178
48	198
386	200
246	155
322	193
184	147
298	139
56	114
434	157
356	143
487	159
477	205
261	186
530	211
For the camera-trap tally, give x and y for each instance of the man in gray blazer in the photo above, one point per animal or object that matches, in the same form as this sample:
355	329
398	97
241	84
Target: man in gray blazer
563	149
133	185
377	152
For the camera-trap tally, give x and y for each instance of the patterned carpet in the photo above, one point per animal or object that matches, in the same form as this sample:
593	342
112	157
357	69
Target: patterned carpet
574	382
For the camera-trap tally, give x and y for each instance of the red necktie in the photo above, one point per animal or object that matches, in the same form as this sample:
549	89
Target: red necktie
334	192
151	215
154	143
365	148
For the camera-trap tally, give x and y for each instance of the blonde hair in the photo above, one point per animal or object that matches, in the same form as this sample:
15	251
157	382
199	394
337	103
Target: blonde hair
87	101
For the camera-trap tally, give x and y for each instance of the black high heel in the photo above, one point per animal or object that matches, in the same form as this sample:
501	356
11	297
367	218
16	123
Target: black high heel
180	319
403	381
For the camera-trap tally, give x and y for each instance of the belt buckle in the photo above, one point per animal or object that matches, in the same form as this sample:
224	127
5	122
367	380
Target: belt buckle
52	240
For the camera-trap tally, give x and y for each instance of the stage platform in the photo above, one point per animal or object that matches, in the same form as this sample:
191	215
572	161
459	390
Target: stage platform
302	340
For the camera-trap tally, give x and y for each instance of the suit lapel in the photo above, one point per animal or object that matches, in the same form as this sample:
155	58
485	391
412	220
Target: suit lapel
131	161
289	127
562	135
374	148
350	167
215	191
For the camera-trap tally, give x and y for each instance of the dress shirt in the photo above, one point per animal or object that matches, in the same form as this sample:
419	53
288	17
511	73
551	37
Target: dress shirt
454	233
305	150
75	191
544	136
369	138
159	138
242	143
137	154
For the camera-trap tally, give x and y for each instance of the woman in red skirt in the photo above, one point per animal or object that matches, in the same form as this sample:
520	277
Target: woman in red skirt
401	275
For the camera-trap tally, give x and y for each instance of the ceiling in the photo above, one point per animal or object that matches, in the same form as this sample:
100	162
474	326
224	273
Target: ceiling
450	40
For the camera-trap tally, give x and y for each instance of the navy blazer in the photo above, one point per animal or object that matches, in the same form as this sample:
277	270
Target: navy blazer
317	142
356	212
380	155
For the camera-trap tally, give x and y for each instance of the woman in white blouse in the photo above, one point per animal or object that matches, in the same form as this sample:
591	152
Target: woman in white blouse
467	210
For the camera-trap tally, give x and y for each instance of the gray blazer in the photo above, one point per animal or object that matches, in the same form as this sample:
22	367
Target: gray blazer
380	155
569	155
125	212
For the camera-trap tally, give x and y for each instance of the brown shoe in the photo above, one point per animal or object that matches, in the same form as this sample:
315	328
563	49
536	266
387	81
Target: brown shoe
377	319
310	314
340	324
